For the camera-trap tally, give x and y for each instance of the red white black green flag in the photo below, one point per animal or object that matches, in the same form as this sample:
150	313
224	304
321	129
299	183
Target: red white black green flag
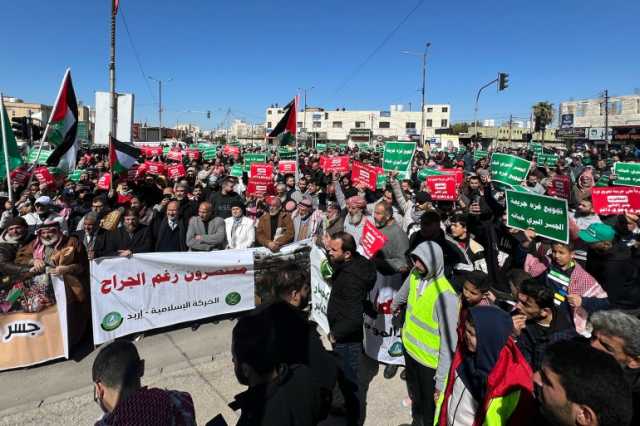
285	130
63	127
122	156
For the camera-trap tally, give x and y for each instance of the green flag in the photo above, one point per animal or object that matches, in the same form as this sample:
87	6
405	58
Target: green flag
15	160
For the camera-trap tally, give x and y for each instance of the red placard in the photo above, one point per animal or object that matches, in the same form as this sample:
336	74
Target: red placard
154	167
150	151
259	188
176	171
134	173
560	187
364	174
338	164
105	181
19	176
459	174
287	166
232	150
174	155
43	175
261	171
193	154
372	239
442	187
609	200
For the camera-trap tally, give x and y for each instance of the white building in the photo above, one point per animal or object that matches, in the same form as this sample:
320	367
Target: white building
623	111
240	129
362	126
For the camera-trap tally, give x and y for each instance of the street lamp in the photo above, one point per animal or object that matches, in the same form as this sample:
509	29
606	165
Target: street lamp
160	101
424	78
304	91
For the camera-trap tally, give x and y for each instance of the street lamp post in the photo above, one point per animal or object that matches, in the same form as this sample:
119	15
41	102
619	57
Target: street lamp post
160	102
424	80
304	91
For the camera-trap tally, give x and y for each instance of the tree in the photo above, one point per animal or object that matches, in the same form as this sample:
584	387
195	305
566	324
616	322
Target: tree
543	115
461	127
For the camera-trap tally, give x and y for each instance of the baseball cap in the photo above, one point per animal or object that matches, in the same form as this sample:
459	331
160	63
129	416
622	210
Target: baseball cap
597	232
44	200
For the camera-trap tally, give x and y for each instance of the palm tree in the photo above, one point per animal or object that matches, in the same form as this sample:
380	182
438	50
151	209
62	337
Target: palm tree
543	114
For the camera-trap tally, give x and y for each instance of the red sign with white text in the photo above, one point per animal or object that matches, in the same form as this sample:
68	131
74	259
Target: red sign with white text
560	187
19	176
459	174
234	151
105	182
364	174
150	151
339	164
442	187
287	166
259	188
609	200
154	167
176	171
372	239
261	171
43	175
174	155
193	154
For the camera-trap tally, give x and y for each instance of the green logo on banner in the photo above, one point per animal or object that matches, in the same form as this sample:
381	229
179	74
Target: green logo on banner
325	270
547	216
395	350
111	321
233	298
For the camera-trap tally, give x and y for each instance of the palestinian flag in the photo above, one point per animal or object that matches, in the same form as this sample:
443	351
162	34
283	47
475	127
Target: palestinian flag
122	156
285	130
63	127
15	160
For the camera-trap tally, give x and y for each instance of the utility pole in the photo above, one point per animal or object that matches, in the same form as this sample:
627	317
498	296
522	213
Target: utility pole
510	128
112	71
606	119
160	103
424	81
475	109
304	91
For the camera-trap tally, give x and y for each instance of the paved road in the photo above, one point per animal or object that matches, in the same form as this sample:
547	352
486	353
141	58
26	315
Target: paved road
60	393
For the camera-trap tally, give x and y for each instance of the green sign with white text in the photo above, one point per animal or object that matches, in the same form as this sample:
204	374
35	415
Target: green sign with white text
251	158
509	169
480	154
398	156
547	216
628	174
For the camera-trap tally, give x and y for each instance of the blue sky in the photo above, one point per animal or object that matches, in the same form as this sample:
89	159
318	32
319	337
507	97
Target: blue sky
246	54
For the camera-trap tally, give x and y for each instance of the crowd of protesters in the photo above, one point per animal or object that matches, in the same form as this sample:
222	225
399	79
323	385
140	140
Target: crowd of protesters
499	326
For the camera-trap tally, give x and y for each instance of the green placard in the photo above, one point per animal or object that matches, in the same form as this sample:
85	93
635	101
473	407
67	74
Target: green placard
44	155
480	154
461	150
536	148
343	146
398	156
381	181
547	216
332	146
547	159
286	153
209	153
628	174
379	148
83	131
165	150
75	175
236	170
424	173
321	147
364	146
253	157
509	169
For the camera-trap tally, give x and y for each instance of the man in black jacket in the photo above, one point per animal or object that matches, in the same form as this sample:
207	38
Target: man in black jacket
169	232
354	276
224	199
129	239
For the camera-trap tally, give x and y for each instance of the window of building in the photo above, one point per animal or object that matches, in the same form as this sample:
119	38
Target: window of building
279	111
326	115
615	107
268	125
410	125
445	109
268	112
581	110
337	124
637	106
429	122
429	109
316	124
444	123
360	124
300	124
384	125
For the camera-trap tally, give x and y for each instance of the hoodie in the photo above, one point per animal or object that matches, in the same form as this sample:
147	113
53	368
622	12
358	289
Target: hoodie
446	311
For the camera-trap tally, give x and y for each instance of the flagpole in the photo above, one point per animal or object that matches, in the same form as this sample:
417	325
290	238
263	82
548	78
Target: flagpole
5	148
295	109
112	69
46	129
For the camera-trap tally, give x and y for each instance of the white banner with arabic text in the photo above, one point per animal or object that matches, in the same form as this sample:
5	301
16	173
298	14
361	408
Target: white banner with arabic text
153	290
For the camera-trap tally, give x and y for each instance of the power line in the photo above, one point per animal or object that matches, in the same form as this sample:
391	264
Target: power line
377	49
135	52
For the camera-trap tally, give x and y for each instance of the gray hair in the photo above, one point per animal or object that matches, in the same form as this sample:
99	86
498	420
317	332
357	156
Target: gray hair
619	324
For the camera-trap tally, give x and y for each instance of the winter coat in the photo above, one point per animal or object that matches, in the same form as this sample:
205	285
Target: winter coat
245	233
213	239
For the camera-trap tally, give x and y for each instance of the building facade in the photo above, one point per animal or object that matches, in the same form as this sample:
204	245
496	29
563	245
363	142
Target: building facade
18	108
342	125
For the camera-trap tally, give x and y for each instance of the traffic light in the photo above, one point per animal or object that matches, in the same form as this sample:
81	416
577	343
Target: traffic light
503	81
20	128
208	115
36	132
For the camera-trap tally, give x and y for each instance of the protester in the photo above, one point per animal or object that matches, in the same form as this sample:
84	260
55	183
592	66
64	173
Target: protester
223	199
117	389
44	214
205	232
128	239
306	219
240	230
14	237
274	229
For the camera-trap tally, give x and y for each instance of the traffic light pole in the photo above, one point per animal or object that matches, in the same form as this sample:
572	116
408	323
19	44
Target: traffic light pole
475	110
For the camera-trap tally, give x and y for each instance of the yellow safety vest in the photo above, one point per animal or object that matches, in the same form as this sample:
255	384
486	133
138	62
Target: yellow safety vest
420	334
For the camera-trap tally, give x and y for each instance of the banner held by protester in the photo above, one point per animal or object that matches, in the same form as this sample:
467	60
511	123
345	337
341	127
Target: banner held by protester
547	216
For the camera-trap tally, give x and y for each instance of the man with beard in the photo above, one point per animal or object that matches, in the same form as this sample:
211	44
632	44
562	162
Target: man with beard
306	219
13	238
300	192
611	263
116	374
579	385
353	278
129	238
276	228
91	236
332	222
186	207
356	207
533	184
170	232
223	199
44	214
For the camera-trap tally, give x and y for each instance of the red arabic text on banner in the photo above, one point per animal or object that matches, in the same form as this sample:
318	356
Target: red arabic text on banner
442	187
364	174
193	154
372	239
560	187
338	164
608	200
43	175
174	155
262	171
176	171
287	166
459	174
259	188
105	181
154	167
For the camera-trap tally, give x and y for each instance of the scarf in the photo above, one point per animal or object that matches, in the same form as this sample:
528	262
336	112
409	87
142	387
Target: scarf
560	279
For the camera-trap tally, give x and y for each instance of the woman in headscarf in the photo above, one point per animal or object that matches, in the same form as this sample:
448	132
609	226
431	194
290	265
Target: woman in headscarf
489	381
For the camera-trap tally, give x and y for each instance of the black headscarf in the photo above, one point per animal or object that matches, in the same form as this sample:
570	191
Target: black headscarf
493	328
